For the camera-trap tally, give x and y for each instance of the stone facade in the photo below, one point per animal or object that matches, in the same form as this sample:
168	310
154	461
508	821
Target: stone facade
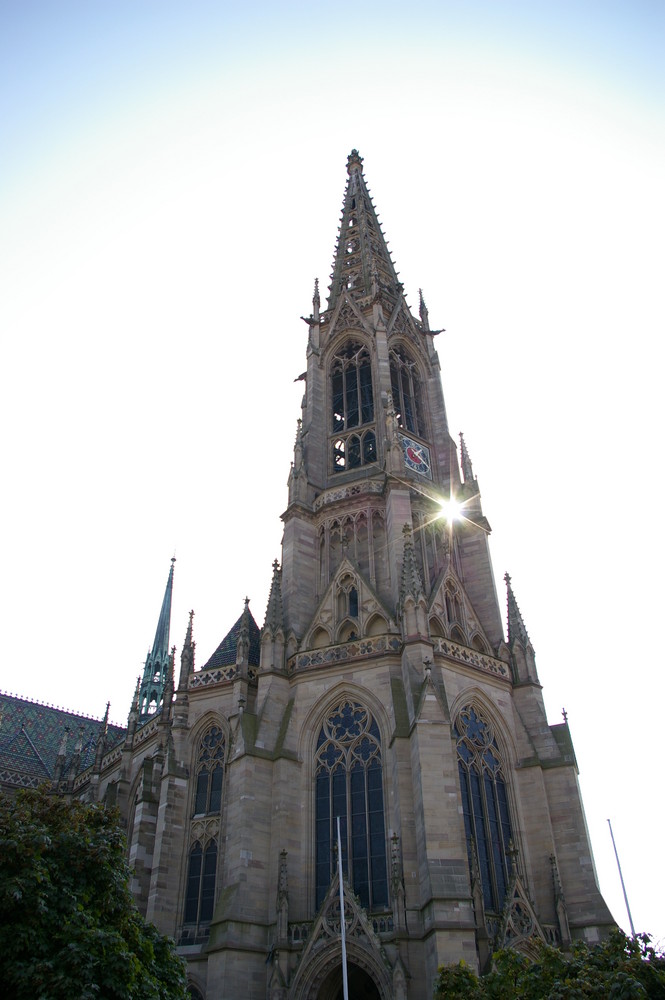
381	689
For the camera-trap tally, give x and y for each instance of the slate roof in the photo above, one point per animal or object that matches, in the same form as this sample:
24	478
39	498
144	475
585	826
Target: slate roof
31	736
226	652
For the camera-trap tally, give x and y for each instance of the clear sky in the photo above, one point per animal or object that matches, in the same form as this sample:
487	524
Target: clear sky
171	177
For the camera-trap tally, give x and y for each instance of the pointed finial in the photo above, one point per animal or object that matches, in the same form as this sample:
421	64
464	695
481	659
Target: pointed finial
316	301
275	612
424	315
467	468
564	714
516	627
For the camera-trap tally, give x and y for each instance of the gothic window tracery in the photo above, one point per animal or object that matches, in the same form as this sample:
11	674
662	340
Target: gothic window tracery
406	392
352	401
204	828
484	803
349	784
209	772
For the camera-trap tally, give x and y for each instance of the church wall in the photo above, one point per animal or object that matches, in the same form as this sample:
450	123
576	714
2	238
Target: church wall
587	913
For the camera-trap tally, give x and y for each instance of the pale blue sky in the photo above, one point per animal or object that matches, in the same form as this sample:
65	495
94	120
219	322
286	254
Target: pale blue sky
170	183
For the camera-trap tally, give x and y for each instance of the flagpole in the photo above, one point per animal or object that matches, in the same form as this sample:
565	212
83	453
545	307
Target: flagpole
345	981
625	895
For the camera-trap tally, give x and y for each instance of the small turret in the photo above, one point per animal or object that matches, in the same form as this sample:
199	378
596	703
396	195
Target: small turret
272	636
187	656
467	468
181	706
242	648
424	315
274	611
524	657
316	302
101	739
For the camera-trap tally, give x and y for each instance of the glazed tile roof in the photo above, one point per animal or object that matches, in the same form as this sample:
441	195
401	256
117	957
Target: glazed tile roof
226	652
31	735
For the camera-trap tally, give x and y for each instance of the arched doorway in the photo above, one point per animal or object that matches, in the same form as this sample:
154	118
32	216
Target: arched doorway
361	985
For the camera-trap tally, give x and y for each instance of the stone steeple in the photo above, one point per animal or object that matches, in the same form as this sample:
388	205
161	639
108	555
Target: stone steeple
362	262
157	661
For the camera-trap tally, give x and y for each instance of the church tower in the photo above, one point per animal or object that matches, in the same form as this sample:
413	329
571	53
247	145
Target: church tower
386	694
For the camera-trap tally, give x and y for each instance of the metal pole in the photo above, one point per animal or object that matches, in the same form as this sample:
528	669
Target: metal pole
345	980
616	854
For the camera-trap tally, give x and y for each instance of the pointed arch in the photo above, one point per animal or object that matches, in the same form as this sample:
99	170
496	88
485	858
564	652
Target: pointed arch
436	627
348	783
376	625
483	771
457	635
320	638
479	644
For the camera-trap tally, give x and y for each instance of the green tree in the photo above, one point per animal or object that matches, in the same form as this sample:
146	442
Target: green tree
69	927
619	968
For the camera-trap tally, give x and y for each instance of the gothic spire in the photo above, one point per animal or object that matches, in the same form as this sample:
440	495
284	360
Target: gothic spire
467	468
160	647
274	611
156	664
362	265
516	628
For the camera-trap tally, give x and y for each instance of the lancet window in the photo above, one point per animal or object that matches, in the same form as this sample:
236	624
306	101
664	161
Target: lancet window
406	392
484	804
209	772
352	402
349	784
204	828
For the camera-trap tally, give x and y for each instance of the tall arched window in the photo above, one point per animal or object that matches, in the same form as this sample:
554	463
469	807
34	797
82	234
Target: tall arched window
200	896
209	772
484	803
352	402
352	398
405	386
204	829
349	784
